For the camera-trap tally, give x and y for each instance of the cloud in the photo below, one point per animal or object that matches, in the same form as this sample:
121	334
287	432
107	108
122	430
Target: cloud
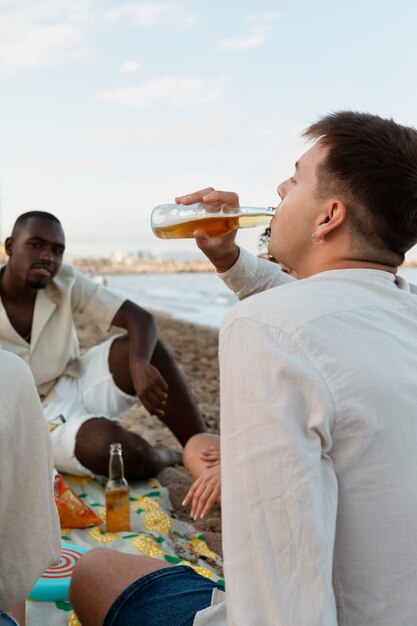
129	67
242	43
152	13
40	33
171	89
260	29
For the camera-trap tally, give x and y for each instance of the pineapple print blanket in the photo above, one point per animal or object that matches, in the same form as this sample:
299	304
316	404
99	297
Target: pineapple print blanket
155	532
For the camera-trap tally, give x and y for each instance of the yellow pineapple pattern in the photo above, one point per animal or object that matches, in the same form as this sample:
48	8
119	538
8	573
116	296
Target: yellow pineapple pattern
159	521
200	547
147	545
154	483
99	536
101	512
203	571
145	503
73	620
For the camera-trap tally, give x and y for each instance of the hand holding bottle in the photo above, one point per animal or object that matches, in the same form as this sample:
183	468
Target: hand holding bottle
223	252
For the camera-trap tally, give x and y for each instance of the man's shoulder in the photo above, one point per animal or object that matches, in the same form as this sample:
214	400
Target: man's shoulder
280	307
335	293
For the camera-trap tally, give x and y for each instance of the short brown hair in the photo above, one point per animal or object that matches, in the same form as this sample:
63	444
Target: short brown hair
372	163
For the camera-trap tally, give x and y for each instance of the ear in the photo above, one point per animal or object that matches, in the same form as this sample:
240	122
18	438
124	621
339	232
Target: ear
8	246
332	217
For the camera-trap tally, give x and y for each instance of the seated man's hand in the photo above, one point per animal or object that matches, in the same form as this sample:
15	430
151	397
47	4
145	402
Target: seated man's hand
221	251
204	492
150	387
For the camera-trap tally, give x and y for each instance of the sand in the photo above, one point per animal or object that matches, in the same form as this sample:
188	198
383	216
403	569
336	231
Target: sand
195	351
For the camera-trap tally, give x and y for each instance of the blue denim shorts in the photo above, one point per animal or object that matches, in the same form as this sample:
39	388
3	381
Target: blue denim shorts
7	620
171	596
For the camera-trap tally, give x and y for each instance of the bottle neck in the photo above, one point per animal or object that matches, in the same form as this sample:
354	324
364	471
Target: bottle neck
116	469
251	210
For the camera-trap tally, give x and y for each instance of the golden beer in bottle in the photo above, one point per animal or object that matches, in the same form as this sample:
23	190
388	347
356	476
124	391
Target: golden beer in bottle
117	493
178	221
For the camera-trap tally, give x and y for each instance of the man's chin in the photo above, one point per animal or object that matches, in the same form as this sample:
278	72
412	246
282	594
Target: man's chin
36	284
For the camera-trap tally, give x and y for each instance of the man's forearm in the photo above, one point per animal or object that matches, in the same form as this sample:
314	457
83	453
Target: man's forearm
141	328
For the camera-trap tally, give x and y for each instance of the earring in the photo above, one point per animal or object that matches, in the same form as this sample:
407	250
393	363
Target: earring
317	240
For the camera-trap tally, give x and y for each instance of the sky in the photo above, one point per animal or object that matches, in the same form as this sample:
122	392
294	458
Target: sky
109	108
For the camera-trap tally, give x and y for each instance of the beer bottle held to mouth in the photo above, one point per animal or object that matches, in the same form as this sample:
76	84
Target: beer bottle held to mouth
117	493
179	221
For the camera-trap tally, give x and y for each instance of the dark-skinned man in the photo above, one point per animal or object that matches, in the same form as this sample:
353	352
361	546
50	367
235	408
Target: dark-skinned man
83	396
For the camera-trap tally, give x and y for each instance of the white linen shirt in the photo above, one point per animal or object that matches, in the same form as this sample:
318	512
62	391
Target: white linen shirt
54	349
319	450
30	535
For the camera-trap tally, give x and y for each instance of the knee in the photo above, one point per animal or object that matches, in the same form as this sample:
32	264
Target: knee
94	437
85	573
99	431
192	450
195	445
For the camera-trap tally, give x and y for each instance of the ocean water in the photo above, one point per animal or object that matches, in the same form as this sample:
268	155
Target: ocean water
200	298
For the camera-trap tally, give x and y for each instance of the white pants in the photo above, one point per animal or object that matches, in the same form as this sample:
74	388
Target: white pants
74	401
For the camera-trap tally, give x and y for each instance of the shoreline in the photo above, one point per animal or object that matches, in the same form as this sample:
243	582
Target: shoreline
133	266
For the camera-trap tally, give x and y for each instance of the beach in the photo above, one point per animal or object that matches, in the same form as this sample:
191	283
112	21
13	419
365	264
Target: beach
195	349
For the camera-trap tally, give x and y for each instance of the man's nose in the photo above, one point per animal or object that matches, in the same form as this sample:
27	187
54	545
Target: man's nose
282	189
46	254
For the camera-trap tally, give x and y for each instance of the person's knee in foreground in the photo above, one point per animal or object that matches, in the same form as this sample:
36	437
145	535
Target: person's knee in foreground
30	538
202	460
317	386
111	588
39	298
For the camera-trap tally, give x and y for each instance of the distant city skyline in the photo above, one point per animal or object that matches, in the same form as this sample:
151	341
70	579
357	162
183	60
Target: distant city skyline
109	108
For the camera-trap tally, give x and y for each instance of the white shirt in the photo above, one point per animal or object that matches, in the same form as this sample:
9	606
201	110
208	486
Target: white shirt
319	450
30	539
53	349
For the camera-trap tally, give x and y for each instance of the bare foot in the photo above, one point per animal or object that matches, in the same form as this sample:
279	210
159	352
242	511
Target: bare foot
167	456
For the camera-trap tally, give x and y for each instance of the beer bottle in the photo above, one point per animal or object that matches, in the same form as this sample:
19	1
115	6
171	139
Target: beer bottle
179	221
117	493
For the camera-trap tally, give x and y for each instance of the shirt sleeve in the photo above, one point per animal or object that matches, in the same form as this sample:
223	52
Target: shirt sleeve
30	540
250	275
279	488
95	301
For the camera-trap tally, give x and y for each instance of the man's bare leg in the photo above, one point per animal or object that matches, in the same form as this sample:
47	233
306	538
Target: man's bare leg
100	576
140	458
182	415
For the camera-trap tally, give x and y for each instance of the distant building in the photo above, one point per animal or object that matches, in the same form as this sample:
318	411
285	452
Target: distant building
145	255
116	257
